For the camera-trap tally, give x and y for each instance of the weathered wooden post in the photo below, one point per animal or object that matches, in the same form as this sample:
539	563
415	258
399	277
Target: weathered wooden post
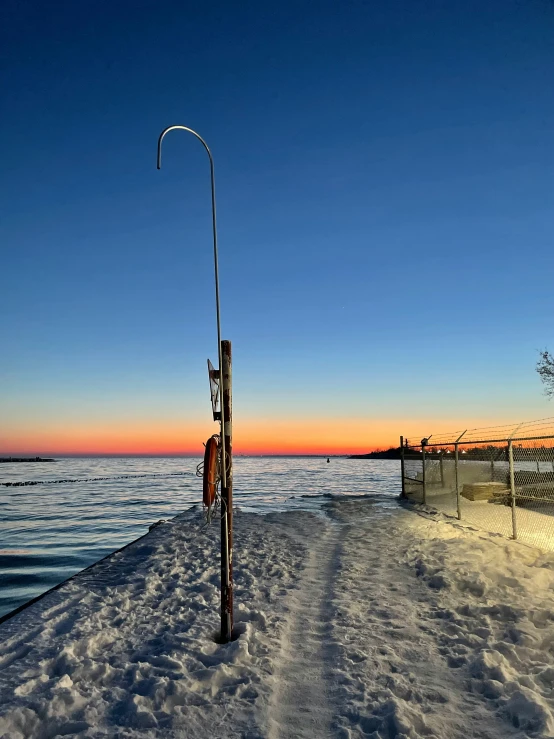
441	465
403	493
512	487
227	496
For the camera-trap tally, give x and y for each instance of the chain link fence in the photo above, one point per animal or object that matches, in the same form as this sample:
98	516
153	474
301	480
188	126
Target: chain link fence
498	478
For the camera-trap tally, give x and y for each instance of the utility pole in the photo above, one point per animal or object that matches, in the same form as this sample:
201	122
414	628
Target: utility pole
226	408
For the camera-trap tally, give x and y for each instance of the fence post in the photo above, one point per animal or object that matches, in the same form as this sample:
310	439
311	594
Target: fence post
424	488
227	498
492	466
458	503
512	487
403	493
441	454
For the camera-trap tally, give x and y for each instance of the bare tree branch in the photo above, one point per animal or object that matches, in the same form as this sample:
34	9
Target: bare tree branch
545	369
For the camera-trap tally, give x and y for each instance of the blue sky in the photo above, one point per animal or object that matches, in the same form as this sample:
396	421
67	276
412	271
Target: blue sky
384	181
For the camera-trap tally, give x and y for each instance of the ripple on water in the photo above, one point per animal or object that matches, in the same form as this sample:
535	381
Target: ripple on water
50	531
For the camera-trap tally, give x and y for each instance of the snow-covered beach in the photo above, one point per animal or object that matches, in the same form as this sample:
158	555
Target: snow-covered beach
367	619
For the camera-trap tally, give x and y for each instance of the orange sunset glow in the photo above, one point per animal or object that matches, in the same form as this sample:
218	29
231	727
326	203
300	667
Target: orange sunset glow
251	436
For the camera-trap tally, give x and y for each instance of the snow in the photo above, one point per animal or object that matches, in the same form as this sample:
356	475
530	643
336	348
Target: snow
369	619
534	522
534	512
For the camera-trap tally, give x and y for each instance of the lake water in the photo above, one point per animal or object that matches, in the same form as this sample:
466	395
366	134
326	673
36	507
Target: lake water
53	529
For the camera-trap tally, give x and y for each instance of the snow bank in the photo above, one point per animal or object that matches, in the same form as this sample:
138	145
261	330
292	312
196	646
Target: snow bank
370	620
495	604
128	647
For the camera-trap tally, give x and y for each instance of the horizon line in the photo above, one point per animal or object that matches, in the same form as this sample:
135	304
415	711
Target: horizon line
95	455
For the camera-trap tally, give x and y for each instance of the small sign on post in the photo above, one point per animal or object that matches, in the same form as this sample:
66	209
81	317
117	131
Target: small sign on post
213	376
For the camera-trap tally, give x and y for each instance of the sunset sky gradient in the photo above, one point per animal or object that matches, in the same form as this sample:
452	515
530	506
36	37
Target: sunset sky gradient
385	195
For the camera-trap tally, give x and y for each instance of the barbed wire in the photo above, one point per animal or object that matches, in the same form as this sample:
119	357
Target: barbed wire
542	427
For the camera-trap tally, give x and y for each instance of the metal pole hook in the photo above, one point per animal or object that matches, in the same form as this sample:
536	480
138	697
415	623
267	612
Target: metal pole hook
216	271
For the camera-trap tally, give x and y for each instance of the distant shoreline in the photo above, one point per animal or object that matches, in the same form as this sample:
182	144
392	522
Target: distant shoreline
172	456
25	459
386	454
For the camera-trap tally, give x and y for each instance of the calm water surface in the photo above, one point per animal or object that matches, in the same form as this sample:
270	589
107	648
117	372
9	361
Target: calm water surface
53	529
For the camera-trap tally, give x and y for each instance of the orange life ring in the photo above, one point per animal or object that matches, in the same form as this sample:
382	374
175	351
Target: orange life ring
210	471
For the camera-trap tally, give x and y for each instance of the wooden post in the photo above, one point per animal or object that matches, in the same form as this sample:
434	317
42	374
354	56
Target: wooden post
227	498
441	466
402	471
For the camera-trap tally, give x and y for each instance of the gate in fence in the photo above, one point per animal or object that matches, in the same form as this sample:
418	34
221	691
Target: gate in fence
499	478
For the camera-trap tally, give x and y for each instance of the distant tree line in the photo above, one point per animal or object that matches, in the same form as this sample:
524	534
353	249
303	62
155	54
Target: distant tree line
496	452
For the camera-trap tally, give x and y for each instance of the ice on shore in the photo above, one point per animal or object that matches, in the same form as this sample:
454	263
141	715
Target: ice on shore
369	620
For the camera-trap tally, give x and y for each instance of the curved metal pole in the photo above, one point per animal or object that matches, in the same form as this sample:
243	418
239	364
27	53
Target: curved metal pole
216	268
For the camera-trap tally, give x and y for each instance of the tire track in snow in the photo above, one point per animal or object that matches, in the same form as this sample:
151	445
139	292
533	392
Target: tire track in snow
302	700
403	659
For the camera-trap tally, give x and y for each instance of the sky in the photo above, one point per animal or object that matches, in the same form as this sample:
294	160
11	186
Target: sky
384	176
